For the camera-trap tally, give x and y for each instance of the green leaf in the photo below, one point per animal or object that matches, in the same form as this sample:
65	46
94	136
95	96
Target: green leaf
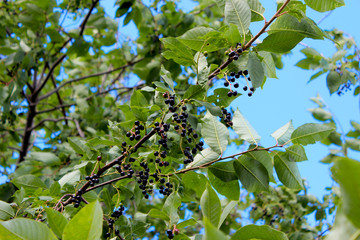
268	64
215	134
196	39
178	51
287	171
256	70
238	12
189	178
29	182
354	144
166	75
205	156
202	69
186	223
212	233
283	134
195	92
288	23
252	174
230	190
232	34
138	99
22	228
250	232
265	159
86	224
210	205
214	110
79	146
156	213
320	114
343	228
243	128
280	42
56	221
346	172
224	171
70	178
225	212
324	5
47	158
220	97
171	206
296	153
333	81
309	133
6	211
257	10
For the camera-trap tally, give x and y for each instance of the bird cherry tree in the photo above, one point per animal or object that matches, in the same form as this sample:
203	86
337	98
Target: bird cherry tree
126	138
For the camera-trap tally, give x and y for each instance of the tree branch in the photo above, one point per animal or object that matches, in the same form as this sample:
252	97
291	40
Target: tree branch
50	120
56	108
59	99
252	40
85	77
86	187
83	24
221	158
51	70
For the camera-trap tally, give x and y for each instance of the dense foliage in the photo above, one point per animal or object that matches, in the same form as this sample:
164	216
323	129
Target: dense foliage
126	139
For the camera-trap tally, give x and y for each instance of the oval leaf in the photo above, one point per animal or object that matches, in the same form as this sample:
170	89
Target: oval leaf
215	134
56	221
283	134
346	172
22	228
252	174
256	70
324	5
243	128
238	12
205	156
210	205
296	153
287	171
309	133
258	232
86	224
6	211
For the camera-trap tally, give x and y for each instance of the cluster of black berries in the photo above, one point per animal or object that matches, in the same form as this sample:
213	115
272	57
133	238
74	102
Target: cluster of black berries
166	189
76	199
170	234
236	54
226	117
143	179
344	88
231	82
115	215
170	100
93	179
135	132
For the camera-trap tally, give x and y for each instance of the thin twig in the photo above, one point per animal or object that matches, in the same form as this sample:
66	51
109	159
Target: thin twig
59	99
222	158
85	77
324	17
50	120
77	124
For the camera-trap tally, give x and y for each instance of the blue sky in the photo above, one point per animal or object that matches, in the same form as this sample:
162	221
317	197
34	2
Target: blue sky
287	98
